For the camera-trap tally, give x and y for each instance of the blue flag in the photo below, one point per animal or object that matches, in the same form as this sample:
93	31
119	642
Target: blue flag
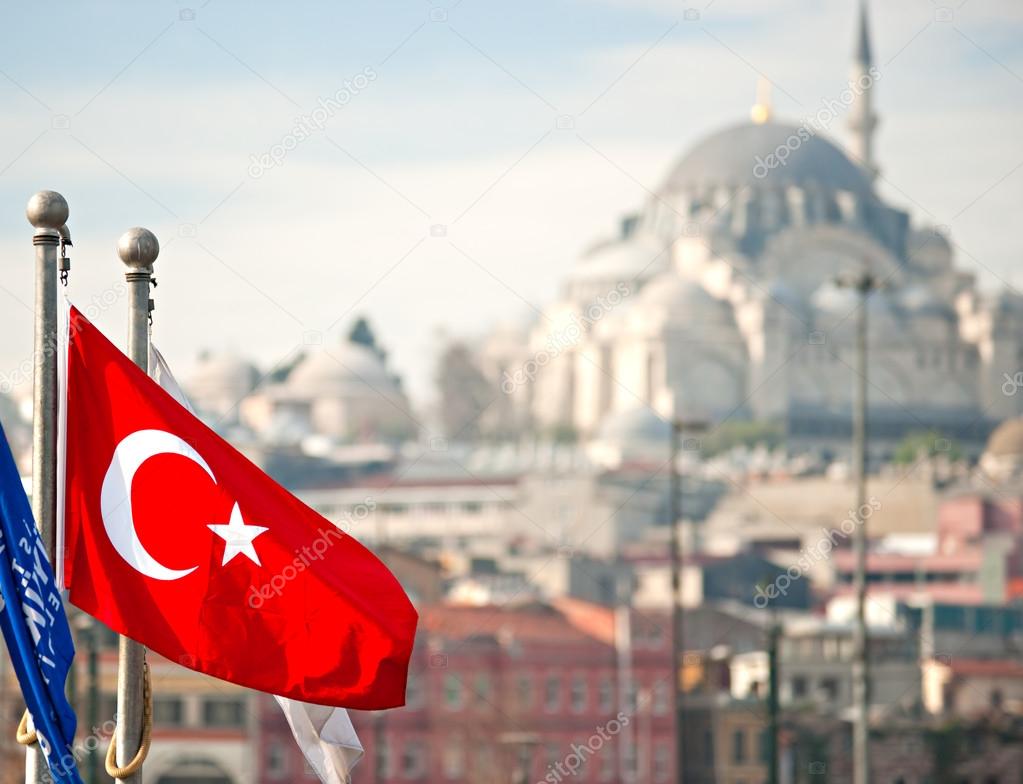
34	624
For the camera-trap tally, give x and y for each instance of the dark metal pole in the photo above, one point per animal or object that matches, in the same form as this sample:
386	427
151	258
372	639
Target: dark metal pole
677	629
93	704
774	632
865	284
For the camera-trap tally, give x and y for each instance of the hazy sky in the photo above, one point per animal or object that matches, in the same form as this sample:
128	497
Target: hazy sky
150	114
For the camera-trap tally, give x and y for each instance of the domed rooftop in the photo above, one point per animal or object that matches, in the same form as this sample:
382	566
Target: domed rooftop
730	157
1007	439
223	376
338	370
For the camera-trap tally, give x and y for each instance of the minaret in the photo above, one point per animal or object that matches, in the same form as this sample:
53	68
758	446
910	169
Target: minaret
862	120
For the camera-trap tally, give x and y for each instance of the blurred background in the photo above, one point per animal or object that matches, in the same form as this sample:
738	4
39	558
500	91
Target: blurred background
553	303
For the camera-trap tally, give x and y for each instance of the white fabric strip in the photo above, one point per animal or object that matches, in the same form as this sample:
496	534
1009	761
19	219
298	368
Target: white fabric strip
63	338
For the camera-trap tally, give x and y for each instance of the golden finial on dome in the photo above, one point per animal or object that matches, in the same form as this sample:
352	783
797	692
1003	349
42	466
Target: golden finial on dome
761	111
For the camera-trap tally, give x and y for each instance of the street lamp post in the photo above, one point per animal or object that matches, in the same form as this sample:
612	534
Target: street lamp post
864	283
675	556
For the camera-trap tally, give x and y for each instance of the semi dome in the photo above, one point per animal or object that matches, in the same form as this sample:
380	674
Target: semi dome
736	156
622	260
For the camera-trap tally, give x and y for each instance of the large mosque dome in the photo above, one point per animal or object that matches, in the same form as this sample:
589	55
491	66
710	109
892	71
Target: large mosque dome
743	155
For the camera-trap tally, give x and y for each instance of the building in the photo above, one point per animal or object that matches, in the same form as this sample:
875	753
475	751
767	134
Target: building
718	298
815	660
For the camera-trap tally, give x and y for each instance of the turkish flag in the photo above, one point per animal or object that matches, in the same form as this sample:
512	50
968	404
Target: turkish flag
176	540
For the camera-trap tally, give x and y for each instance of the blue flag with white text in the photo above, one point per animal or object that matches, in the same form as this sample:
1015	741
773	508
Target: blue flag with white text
34	624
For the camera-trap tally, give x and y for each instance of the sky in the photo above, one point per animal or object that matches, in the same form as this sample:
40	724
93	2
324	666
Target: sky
463	154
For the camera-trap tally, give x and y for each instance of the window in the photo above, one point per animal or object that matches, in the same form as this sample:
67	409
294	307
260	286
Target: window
996	698
453	759
552	693
413	760
661	763
739	746
577	694
413	691
484	763
798	687
660	700
630	760
765	746
605	694
276	760
382	754
630	698
524	691
223	712
829	689
484	700
169	711
452	692
607	765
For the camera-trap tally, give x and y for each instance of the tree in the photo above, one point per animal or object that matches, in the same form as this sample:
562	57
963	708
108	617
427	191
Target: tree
926	443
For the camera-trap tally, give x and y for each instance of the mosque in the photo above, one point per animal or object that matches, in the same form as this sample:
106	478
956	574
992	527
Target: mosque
722	298
725	297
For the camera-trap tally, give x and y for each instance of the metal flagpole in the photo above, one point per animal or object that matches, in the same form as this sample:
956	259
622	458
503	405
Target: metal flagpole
138	249
47	211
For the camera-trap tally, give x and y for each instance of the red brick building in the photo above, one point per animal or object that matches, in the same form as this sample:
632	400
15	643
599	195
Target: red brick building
498	694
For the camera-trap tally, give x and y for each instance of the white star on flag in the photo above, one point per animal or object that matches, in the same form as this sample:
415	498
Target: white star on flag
238	537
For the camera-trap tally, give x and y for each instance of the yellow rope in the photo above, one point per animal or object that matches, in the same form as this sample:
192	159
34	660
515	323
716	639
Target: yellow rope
24	735
147	732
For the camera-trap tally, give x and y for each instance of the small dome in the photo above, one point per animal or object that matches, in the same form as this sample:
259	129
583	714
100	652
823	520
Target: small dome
920	300
222	370
639	424
1007	439
834	299
670	301
220	381
782	293
674	293
622	261
741	155
340	370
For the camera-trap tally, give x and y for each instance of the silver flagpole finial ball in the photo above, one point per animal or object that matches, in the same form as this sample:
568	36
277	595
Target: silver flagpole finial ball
138	248
47	210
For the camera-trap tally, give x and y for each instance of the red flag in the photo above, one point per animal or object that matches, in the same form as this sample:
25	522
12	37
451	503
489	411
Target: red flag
176	540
